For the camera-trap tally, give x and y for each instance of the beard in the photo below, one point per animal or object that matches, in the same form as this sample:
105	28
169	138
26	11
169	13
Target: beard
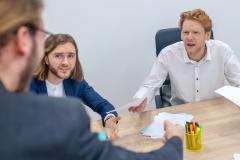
55	72
26	75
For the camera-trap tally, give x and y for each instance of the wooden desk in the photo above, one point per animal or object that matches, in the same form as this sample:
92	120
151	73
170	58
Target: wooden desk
221	129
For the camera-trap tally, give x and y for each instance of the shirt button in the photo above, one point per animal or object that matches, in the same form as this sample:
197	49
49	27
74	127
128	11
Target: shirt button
197	79
197	90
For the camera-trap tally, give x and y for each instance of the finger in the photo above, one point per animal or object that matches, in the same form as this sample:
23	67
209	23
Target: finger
142	106
116	119
145	100
134	109
113	119
111	125
112	135
139	109
119	117
130	109
164	140
167	124
165	137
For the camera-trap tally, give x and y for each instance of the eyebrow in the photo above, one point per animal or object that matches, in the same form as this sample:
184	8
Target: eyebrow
57	53
72	53
64	53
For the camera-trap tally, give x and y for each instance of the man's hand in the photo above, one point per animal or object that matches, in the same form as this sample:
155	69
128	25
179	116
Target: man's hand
172	130
111	127
138	108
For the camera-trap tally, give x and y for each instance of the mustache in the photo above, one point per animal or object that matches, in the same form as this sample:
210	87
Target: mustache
55	70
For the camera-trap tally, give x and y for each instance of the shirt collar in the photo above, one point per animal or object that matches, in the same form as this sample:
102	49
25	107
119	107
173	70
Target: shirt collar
54	86
208	56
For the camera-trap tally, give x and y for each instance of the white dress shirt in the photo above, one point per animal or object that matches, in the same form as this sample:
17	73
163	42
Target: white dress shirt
191	80
55	90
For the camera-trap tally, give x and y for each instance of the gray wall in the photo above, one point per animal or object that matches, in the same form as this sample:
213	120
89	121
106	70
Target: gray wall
116	37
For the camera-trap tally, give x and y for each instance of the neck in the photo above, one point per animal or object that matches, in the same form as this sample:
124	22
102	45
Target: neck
15	74
53	79
199	55
10	79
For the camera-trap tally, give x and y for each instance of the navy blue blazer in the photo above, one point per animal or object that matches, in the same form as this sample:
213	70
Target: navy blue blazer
80	89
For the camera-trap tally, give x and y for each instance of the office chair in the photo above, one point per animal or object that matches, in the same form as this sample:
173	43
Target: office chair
163	38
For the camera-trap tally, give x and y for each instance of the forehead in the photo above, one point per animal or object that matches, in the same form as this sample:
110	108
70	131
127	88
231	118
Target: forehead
192	25
65	48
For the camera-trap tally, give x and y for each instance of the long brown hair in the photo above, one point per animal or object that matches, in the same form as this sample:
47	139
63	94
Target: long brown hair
51	43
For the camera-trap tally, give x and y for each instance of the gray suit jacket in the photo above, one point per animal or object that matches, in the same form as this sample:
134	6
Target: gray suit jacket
44	128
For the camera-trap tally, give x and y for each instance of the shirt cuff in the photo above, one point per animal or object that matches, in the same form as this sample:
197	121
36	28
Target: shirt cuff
144	92
140	93
107	116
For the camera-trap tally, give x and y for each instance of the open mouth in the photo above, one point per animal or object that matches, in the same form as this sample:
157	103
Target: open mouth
191	44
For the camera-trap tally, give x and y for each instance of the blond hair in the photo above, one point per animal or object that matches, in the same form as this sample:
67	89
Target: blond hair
15	13
197	15
51	43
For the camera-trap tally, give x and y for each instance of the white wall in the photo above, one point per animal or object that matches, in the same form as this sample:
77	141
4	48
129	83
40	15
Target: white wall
116	37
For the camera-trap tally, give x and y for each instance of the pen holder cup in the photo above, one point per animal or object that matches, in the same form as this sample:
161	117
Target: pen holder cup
194	141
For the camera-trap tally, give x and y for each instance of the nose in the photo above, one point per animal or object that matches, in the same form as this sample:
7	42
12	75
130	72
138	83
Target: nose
190	36
65	61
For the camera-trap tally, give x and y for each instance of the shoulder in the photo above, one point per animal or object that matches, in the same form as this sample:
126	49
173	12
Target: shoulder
219	49
171	51
70	108
178	46
50	120
216	44
75	83
35	83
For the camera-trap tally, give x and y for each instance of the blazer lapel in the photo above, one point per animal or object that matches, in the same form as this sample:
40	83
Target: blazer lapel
43	88
68	88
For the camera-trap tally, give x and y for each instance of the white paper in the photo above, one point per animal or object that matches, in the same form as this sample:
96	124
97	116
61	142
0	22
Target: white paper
236	156
231	93
156	128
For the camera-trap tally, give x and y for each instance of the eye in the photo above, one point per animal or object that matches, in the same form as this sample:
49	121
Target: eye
71	56
58	56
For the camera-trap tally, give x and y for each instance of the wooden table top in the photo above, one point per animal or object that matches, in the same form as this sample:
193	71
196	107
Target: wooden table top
220	135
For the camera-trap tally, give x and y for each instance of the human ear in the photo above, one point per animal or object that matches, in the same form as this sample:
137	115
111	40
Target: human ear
208	35
23	41
46	59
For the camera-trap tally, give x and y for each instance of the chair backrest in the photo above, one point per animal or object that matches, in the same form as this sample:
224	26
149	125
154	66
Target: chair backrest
164	38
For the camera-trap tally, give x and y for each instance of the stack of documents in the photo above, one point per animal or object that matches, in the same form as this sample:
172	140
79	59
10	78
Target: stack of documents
231	93
236	156
156	128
